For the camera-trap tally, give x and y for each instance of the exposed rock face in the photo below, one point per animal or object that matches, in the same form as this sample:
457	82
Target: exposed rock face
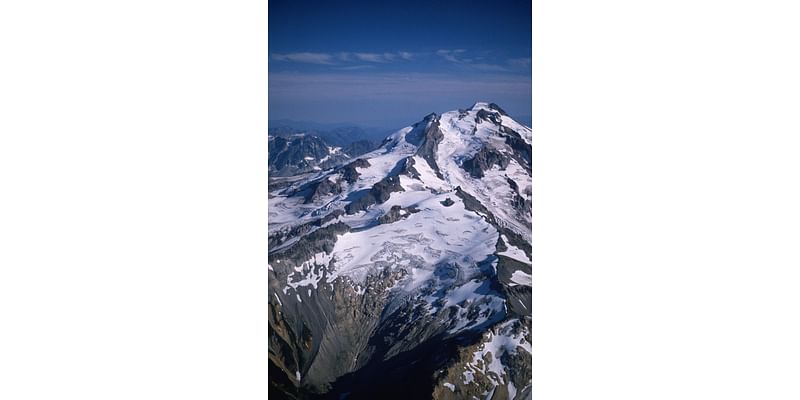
429	142
405	274
349	172
408	168
497	108
302	153
522	150
378	194
484	160
488	116
322	188
396	213
471	203
520	203
476	373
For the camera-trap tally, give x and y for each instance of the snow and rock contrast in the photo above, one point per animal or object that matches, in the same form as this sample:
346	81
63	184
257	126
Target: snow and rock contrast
299	153
405	272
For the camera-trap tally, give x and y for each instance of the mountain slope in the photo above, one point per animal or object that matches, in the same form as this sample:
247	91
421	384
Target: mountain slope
300	153
336	134
406	272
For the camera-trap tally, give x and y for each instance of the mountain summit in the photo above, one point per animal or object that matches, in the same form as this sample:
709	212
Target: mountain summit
405	273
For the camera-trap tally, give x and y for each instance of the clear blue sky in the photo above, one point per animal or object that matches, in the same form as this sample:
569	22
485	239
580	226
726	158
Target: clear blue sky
389	63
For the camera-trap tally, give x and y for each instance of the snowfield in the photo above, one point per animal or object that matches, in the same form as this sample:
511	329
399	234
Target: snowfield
434	235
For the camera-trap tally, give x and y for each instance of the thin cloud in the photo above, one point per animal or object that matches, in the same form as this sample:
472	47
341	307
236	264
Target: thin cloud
489	67
450	55
375	57
310	58
458	56
355	67
520	62
343	57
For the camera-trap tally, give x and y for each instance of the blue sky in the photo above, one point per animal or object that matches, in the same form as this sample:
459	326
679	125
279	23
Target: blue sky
389	63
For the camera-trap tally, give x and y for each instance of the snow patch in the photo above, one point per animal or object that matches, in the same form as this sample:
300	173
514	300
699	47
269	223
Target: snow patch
514	252
493	348
521	278
311	271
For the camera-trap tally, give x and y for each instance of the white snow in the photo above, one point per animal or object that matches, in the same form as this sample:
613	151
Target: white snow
512	390
310	271
514	252
521	278
469	377
479	305
432	236
462	138
450	386
464	293
499	341
523	130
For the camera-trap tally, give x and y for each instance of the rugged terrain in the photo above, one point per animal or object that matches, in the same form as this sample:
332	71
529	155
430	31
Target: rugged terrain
298	153
405	272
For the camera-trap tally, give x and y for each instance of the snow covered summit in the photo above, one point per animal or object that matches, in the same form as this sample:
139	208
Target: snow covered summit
422	242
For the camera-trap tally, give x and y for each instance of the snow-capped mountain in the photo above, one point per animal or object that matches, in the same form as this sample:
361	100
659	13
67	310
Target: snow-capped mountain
300	153
405	273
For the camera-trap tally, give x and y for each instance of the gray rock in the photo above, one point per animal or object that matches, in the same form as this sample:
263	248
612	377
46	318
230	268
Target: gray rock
348	171
484	160
408	168
322	188
396	213
378	194
299	154
472	204
429	143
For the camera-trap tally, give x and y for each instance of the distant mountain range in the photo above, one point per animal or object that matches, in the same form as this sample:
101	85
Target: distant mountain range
339	134
297	147
293	153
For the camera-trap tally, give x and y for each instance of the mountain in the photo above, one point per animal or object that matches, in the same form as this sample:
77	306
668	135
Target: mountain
299	153
406	272
335	134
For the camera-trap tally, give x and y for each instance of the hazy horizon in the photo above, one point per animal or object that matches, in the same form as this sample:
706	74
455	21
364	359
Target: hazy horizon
420	58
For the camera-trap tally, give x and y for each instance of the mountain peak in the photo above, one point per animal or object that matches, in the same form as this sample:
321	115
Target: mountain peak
430	117
482	105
